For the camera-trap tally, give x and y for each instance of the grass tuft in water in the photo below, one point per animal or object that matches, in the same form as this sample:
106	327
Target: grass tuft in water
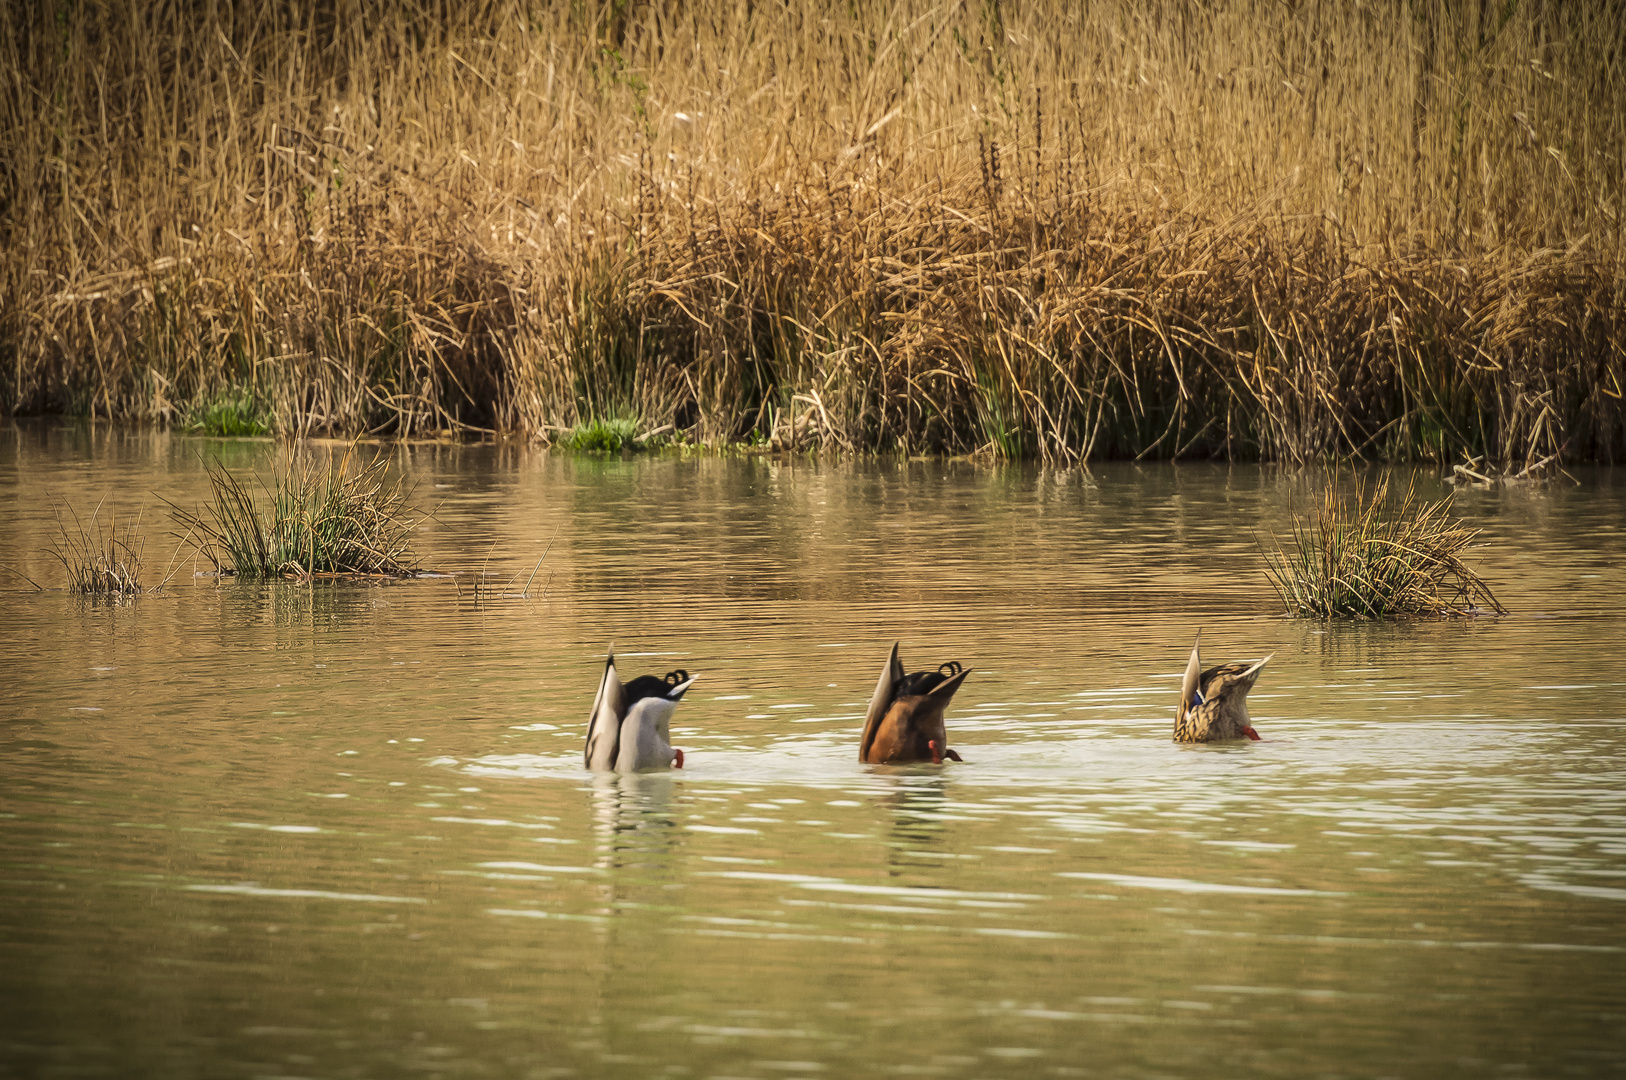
233	414
99	562
351	518
1370	556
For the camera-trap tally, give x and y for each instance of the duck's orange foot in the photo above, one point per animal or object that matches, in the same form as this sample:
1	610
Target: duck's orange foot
677	763
1252	734
937	753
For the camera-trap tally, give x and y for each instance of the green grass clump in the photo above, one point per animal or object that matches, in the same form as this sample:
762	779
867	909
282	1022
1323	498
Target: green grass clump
233	414
348	519
613	434
1374	557
602	434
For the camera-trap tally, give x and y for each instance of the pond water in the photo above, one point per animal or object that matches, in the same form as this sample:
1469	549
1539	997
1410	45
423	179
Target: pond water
342	830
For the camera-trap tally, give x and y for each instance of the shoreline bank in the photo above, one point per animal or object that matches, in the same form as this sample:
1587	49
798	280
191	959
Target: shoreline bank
1252	234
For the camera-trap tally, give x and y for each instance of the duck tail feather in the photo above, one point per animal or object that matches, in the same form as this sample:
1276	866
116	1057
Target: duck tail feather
940	694
880	701
1188	682
604	723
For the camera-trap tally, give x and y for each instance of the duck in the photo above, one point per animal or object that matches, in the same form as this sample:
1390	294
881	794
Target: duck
1214	703
905	718
629	729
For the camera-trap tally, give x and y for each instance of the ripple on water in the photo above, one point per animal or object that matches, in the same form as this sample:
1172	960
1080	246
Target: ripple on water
362	810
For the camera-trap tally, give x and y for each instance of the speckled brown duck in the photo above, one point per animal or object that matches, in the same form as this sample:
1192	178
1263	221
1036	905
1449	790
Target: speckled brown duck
630	728
905	718
1214	703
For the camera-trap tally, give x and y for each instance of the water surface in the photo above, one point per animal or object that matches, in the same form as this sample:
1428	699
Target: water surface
343	831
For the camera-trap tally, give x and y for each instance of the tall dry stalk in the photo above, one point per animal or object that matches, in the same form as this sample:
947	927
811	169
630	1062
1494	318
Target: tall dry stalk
99	561
1117	230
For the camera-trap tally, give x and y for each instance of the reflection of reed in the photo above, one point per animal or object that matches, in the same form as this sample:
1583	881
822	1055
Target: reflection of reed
1381	645
302	604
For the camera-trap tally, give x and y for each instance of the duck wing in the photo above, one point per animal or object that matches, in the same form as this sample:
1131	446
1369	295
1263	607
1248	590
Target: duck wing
604	724
885	690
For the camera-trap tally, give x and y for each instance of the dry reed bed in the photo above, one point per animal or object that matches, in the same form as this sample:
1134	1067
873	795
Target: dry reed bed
1121	231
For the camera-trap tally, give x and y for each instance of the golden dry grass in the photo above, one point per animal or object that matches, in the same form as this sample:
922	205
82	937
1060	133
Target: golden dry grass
1115	229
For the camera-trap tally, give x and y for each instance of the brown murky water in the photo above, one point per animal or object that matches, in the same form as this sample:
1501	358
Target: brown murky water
342	831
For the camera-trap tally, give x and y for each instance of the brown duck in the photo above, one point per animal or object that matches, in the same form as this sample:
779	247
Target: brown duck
905	719
1214	703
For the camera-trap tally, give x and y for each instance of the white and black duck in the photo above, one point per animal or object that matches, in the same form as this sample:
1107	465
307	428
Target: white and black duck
630	728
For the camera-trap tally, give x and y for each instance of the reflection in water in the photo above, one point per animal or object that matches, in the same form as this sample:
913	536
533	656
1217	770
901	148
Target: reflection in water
279	830
917	804
633	823
634	834
321	606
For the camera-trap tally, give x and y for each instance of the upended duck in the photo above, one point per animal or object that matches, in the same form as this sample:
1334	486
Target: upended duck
1214	703
905	718
630	728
